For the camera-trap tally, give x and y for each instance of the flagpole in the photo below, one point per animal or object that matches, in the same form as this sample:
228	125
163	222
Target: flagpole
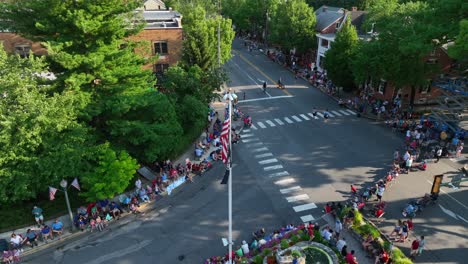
64	184
230	180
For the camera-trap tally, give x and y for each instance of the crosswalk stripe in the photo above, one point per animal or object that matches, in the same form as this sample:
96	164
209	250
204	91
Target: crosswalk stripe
296	118
269	122
250	140
264	155
279	174
312	115
268	161
285	181
330	115
292	189
261	125
320	114
351	112
300	197
304	207
260	149
336	113
254	145
279	121
344	112
247	135
307	218
288	120
304	116
246	130
270	168
253	127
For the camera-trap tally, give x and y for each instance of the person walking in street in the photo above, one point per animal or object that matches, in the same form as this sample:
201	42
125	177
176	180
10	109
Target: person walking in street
422	243
350	258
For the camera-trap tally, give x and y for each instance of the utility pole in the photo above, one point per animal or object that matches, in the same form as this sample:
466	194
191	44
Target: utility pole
219	34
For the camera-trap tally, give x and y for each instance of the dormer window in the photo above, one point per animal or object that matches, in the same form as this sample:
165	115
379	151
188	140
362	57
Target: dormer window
337	24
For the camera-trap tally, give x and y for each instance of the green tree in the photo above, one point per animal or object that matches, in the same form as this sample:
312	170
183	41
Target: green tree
111	174
201	39
338	59
87	43
40	139
460	49
293	25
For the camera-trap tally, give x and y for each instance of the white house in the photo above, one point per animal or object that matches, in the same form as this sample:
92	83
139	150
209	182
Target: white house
329	22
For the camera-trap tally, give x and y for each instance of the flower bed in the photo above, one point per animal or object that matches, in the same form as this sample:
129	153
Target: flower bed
315	255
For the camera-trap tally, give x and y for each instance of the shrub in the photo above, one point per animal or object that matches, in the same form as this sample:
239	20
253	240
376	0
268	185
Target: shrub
258	259
295	239
358	219
305	237
317	237
284	244
266	252
344	212
399	257
300	232
367	229
296	254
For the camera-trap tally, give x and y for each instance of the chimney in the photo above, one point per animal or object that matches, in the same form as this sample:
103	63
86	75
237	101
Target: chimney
354	8
324	9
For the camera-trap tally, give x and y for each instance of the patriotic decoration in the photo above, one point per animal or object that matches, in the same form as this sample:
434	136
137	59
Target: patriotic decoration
76	184
225	140
52	192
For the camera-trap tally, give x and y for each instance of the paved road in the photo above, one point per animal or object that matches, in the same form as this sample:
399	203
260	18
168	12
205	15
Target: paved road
287	166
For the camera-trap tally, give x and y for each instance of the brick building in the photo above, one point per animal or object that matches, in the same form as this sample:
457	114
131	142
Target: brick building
162	32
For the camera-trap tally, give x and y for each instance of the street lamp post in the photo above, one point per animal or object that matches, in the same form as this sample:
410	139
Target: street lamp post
230	97
63	184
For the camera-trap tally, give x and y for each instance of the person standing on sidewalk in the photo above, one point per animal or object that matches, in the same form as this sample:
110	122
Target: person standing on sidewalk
37	212
414	248
438	154
350	258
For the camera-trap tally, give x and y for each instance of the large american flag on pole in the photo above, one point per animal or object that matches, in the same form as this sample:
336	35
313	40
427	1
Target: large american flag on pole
225	140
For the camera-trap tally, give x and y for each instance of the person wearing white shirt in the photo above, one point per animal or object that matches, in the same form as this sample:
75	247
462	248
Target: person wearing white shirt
245	248
406	156
138	184
340	244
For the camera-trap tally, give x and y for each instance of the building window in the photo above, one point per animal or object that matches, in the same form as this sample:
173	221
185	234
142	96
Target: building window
432	53
337	24
23	50
160	48
426	88
161	67
382	86
324	43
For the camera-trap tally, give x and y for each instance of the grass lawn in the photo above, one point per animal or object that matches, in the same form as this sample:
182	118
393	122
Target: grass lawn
19	215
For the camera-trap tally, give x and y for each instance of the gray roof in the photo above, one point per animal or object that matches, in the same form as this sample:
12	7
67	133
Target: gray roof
327	15
162	19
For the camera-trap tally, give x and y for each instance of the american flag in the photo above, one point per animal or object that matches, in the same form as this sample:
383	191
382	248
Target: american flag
52	192
225	140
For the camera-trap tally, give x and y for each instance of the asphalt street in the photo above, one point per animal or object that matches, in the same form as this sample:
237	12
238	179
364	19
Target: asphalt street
285	168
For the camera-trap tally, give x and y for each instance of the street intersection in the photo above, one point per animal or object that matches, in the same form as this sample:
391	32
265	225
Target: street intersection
287	166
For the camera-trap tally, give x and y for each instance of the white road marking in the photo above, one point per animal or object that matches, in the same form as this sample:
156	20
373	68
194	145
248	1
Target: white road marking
344	112
288	120
292	189
304	116
261	125
351	112
300	197
247	135
260	149
270	168
264	155
330	115
304	207
296	118
266	98
269	122
279	174
250	140
312	115
253	127
336	113
121	253
246	130
320	114
279	121
307	218
285	181
268	161
256	144
460	203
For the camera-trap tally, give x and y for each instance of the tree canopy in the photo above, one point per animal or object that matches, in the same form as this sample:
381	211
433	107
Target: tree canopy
338	59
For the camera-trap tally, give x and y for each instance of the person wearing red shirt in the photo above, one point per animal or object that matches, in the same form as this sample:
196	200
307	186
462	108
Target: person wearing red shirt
414	248
382	258
350	258
328	208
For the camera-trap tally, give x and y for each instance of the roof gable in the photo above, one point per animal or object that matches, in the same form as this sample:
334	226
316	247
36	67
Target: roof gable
327	16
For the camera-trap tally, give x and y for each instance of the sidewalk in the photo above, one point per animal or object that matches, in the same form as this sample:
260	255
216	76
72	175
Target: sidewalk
125	216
